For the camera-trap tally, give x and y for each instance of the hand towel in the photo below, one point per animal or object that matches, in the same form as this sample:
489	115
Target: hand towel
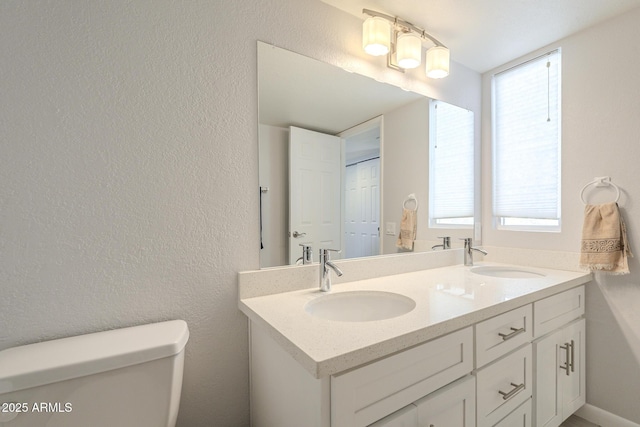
408	229
604	240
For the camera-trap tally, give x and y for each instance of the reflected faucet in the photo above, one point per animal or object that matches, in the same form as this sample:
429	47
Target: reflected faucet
325	274
446	243
468	251
307	255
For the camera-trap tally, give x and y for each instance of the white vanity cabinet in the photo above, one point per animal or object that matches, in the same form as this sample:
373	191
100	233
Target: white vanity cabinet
560	359
524	367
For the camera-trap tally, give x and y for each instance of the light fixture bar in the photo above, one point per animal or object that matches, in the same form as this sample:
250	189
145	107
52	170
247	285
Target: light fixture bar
402	23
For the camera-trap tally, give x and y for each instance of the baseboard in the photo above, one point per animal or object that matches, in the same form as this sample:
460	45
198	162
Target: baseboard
603	418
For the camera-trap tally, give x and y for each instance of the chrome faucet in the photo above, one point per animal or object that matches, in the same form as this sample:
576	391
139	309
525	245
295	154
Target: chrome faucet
468	251
307	255
446	243
325	274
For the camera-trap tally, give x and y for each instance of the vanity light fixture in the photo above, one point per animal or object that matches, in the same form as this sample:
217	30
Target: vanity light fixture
409	50
401	41
376	36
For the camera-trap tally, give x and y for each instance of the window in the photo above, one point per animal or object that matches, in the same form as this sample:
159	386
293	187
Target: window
526	145
451	149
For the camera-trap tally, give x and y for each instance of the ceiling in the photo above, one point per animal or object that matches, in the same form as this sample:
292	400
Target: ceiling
484	34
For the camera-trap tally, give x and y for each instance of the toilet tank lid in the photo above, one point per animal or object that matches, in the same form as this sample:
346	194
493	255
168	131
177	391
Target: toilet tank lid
63	359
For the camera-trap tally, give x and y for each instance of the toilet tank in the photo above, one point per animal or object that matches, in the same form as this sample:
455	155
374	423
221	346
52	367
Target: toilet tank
129	377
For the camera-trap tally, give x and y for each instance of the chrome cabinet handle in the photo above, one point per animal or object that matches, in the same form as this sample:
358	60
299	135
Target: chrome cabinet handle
568	357
512	334
509	395
570	349
573	353
296	234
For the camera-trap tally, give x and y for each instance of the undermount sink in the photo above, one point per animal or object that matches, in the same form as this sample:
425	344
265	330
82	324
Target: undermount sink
360	306
507	272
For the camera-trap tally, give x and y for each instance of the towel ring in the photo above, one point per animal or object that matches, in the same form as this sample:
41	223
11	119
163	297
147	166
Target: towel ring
410	197
603	181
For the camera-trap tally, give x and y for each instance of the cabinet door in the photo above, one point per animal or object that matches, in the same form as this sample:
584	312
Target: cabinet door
559	388
573	387
521	417
451	406
547	377
405	417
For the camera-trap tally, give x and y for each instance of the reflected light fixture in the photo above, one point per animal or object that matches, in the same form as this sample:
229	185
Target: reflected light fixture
402	41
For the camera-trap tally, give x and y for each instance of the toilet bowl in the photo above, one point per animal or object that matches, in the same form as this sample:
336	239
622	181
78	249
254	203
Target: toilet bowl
129	377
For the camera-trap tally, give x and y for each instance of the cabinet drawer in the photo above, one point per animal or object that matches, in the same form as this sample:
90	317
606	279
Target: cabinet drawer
451	406
367	394
521	417
499	335
557	310
503	386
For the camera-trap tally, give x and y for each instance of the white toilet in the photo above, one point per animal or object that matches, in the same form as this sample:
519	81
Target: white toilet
128	377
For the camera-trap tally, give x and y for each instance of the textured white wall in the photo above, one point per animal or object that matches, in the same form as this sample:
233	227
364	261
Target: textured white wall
125	160
600	135
128	168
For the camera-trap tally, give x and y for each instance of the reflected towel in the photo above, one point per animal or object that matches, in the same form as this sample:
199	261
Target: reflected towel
604	240
408	229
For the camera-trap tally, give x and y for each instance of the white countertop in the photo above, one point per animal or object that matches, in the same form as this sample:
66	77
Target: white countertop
447	299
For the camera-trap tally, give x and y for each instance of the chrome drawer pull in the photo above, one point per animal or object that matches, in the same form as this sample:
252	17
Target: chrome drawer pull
509	395
512	334
568	365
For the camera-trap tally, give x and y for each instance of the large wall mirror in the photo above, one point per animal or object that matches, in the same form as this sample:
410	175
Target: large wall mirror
341	156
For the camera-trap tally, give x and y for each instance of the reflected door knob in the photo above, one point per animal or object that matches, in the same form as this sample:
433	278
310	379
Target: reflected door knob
296	234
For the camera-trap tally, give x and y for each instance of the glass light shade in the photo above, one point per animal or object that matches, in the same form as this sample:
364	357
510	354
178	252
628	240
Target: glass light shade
376	36
438	62
409	50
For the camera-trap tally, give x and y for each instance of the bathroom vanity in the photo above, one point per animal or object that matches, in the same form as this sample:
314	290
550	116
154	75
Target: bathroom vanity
491	345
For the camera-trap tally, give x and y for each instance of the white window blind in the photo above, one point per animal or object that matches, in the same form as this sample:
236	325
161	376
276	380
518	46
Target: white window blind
451	153
526	143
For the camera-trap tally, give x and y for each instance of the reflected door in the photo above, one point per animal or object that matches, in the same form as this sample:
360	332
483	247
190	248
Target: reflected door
362	200
314	192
